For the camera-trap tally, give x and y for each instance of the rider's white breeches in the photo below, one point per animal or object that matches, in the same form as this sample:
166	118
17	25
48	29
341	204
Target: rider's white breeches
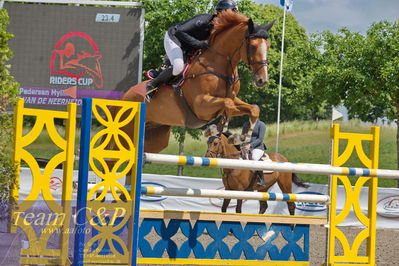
175	55
257	154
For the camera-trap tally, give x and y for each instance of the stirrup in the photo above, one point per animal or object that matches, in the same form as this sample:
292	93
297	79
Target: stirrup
150	90
147	97
149	93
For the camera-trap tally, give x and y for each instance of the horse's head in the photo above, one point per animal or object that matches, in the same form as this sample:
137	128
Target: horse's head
215	147
256	49
236	37
214	142
218	143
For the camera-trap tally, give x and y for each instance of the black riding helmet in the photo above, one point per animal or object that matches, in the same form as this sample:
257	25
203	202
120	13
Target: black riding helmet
226	4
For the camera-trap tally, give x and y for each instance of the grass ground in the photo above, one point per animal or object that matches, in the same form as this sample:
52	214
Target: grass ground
299	141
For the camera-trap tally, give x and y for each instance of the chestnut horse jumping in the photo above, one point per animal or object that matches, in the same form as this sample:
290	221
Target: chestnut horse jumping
211	84
237	179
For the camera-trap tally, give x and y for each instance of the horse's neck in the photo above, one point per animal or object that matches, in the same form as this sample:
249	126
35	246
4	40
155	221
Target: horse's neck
230	42
230	150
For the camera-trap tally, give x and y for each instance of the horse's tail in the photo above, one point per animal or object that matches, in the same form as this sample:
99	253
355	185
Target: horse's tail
298	181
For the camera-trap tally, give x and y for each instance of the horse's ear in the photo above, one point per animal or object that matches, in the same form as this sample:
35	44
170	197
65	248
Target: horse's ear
211	131
235	139
269	26
250	26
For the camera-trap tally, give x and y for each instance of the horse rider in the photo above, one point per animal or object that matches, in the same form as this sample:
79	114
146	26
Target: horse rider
184	37
255	147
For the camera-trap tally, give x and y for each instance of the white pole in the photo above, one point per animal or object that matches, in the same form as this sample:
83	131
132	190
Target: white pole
281	78
306	168
225	194
230	194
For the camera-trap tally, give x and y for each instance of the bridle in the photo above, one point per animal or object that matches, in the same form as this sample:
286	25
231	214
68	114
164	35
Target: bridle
262	63
214	154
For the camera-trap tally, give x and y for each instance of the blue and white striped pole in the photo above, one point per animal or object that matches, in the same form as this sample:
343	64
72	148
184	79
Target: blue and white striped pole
232	194
306	168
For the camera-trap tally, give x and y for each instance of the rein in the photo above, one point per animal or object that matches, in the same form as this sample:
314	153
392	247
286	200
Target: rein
230	80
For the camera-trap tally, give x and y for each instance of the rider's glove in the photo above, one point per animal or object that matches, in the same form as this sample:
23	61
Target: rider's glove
204	44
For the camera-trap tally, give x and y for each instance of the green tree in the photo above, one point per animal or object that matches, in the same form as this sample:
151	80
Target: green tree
361	71
159	16
8	95
298	100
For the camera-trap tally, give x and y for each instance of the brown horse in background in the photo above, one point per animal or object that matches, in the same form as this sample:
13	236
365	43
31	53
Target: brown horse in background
211	83
243	180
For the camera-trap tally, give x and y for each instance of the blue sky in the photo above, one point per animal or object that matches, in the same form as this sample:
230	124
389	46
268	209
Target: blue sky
356	15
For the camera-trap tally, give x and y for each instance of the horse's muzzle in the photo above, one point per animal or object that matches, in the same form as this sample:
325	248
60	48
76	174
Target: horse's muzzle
260	82
210	154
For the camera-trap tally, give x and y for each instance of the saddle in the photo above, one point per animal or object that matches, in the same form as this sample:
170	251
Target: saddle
265	158
177	81
192	121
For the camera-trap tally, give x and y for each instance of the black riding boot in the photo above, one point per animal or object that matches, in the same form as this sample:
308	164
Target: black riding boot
153	73
259	176
164	76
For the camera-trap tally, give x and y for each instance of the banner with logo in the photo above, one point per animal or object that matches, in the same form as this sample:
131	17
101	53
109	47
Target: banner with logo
387	208
64	53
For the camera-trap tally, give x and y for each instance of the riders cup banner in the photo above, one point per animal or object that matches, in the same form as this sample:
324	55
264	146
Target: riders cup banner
65	53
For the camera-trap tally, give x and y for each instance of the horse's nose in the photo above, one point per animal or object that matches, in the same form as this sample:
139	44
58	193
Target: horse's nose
260	82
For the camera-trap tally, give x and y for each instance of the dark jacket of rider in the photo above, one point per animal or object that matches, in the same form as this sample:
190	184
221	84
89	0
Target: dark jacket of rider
258	134
192	33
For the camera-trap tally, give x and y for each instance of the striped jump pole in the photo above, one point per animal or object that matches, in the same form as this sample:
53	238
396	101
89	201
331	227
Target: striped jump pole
304	168
225	194
230	194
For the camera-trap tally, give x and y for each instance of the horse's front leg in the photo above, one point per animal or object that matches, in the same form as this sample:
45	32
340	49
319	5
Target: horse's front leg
239	206
225	204
262	206
207	107
246	109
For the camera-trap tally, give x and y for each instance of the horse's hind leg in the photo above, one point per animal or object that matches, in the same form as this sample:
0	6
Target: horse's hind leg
291	207
156	138
239	206
262	206
225	204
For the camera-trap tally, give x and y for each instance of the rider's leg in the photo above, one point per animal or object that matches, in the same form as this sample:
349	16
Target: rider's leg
256	155
175	55
162	77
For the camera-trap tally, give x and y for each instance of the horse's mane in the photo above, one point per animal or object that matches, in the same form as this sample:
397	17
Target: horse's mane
225	20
